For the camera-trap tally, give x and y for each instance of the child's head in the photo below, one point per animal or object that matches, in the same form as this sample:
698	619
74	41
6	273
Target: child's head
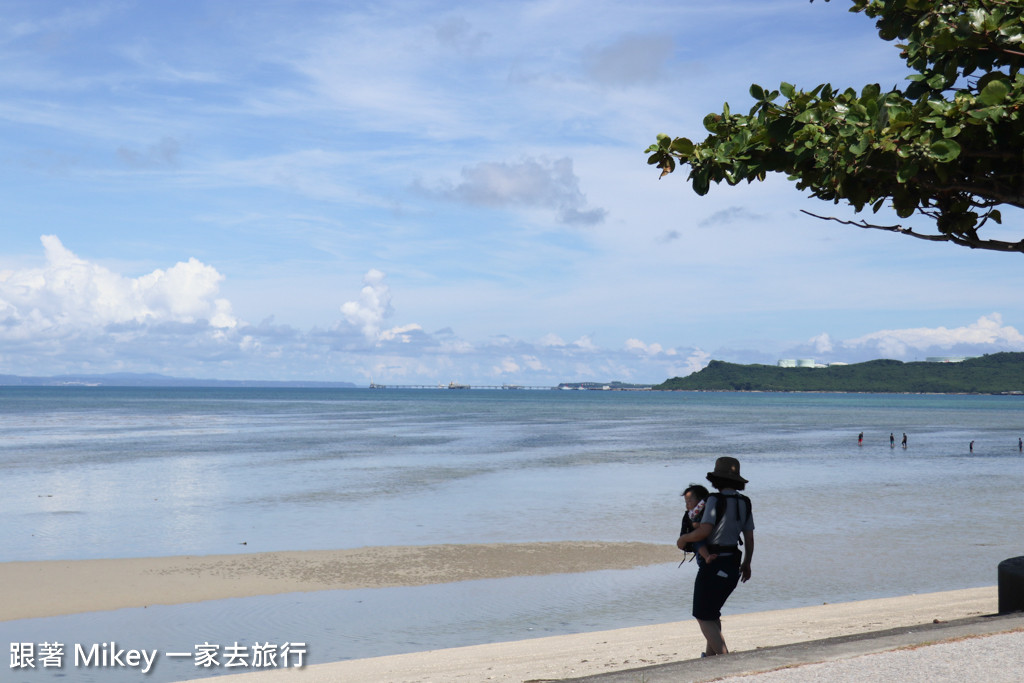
693	494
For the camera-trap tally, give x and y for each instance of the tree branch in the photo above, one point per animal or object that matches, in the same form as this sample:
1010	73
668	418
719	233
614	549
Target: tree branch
960	240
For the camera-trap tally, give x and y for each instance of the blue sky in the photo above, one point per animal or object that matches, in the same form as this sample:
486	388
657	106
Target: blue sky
422	192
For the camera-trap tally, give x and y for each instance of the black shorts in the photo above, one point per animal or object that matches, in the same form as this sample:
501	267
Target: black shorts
714	584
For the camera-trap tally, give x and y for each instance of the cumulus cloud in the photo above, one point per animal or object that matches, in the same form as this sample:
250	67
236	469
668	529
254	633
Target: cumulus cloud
648	349
822	343
696	361
585	343
533	363
551	340
988	330
69	294
373	307
402	333
506	366
529	184
986	335
669	358
74	316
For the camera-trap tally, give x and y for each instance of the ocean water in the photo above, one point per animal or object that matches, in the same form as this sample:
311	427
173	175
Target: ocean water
93	472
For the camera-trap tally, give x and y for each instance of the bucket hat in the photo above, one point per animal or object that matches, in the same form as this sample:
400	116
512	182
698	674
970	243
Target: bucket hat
727	468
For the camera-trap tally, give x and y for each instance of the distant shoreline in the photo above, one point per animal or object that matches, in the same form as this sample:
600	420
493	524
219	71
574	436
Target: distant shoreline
995	374
149	381
838	391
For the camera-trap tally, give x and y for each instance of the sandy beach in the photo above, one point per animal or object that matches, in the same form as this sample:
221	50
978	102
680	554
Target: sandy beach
559	657
36	589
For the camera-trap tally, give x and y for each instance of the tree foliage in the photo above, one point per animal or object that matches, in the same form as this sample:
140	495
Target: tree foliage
949	146
993	374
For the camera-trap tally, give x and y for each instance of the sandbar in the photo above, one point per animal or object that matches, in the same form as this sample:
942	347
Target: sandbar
56	587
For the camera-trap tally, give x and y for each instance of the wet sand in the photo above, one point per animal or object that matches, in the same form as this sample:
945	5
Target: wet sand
52	588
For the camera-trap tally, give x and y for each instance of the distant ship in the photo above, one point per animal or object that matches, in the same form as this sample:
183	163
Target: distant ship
453	385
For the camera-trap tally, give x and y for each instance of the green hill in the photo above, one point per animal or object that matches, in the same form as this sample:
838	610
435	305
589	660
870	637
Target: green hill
992	374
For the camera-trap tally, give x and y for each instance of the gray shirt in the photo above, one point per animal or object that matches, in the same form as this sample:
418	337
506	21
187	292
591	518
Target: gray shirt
736	520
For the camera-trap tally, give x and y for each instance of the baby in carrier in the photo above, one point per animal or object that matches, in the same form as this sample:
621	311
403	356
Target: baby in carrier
695	497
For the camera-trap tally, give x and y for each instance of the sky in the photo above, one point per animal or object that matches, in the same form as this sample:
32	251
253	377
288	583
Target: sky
431	192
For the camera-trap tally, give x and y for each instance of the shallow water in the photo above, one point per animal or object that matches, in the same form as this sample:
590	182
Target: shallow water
99	472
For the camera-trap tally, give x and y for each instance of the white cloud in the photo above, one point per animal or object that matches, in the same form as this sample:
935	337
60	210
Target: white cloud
373	307
822	343
71	315
698	360
988	330
986	335
70	295
401	333
585	343
533	363
648	349
506	366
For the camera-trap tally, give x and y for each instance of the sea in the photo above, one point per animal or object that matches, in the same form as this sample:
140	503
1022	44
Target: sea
103	472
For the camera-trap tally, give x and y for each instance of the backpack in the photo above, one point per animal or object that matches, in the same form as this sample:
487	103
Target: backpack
721	501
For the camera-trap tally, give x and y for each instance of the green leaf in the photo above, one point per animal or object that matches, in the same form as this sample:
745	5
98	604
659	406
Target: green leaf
861	145
701	184
788	90
682	146
907	173
757	92
945	150
808	116
994	93
870	92
904	205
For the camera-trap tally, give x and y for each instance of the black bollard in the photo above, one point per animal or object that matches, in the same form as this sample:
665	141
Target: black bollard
1011	585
